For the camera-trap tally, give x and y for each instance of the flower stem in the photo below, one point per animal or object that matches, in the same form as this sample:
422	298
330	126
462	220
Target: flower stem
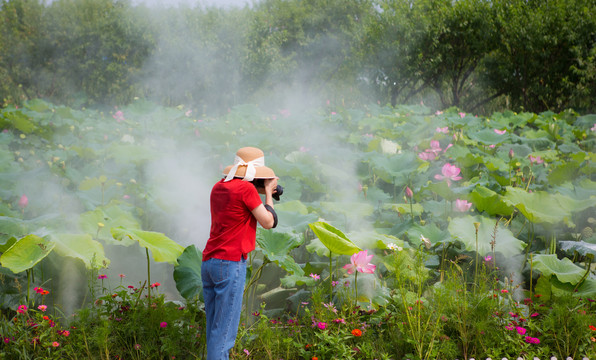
148	274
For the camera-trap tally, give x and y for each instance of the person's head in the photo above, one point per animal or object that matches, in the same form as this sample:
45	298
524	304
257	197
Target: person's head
249	164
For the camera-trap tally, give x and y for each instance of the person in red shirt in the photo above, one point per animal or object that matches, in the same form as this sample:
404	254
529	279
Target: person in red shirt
236	208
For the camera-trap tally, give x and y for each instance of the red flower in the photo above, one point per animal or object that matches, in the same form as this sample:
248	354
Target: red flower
357	332
592	327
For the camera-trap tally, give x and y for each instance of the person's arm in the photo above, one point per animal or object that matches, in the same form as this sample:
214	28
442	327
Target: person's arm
264	213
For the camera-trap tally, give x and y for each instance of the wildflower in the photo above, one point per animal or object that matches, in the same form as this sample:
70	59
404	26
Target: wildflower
360	263
6	340
357	332
23	201
314	358
462	205
42	308
392	246
534	314
500	132
330	306
102	276
334	283
504	291
520	330
119	116
256	313
438	112
22	309
321	325
510	328
55	344
163	324
315	276
137	346
122	276
339	321
188	113
444	130
155	284
425	241
246	352
488	258
593	339
449	173
592	327
532	340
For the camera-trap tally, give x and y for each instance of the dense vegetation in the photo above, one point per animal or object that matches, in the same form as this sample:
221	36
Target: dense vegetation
478	55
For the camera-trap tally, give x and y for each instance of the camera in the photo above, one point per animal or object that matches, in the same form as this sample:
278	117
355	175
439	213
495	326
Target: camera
260	183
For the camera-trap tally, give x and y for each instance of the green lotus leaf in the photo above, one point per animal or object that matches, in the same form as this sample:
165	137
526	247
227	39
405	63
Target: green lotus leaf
372	239
293	222
333	239
276	246
187	273
162	248
11	227
463	229
539	206
25	253
430	232
587	288
348	209
110	216
492	203
294	280
82	247
582	247
564	269
296	206
488	137
405	209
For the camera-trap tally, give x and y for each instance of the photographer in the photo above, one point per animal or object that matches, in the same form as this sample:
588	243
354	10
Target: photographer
236	207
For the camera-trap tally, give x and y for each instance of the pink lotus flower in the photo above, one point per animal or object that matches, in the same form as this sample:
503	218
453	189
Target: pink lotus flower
500	132
435	147
23	201
449	173
360	263
593	128
537	159
462	115
444	130
427	156
462	205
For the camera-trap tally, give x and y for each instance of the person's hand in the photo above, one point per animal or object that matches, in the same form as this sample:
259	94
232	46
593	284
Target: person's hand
270	186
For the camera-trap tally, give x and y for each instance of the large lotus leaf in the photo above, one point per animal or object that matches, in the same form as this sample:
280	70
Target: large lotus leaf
539	206
333	239
82	247
430	231
25	253
276	246
505	243
296	206
162	247
132	153
19	121
442	189
99	222
582	247
293	222
372	239
587	288
564	269
394	169
405	209
290	281
495	164
488	137
492	203
187	273
348	209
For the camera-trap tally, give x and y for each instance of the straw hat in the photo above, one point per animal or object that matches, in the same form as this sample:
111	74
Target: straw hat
249	164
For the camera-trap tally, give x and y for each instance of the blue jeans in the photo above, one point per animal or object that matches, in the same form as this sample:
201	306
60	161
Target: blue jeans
223	288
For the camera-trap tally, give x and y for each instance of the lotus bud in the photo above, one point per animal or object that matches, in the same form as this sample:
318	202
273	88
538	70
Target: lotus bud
409	192
511	153
477	226
23	201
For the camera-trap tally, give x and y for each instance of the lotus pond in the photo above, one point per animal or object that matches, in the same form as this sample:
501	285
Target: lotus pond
403	233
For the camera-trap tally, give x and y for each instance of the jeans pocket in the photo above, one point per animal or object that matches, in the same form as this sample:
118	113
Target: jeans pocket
220	271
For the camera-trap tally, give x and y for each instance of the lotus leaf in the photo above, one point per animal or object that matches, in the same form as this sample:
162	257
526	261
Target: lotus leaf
26	252
563	269
276	246
82	247
162	248
333	239
187	273
488	231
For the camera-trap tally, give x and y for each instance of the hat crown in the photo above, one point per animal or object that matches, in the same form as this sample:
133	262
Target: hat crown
250	153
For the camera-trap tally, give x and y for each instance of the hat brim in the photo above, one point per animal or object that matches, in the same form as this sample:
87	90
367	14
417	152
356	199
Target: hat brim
262	172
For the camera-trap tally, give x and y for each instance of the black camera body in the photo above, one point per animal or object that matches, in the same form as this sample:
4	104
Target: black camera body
260	183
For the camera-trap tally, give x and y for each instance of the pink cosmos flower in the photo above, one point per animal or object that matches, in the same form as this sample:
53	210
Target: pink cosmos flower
22	309
462	205
360	263
449	173
537	159
23	201
42	308
315	276
321	325
500	132
444	130
163	324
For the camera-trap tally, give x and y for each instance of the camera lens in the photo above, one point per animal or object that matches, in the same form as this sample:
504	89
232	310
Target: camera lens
279	190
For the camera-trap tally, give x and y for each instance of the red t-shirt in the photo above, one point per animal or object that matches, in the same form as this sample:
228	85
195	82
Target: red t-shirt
233	226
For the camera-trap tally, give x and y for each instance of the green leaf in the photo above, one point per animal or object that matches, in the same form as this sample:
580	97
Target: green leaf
276	246
404	209
333	239
187	273
539	206
582	247
82	247
110	216
25	253
564	269
505	243
489	201
162	248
